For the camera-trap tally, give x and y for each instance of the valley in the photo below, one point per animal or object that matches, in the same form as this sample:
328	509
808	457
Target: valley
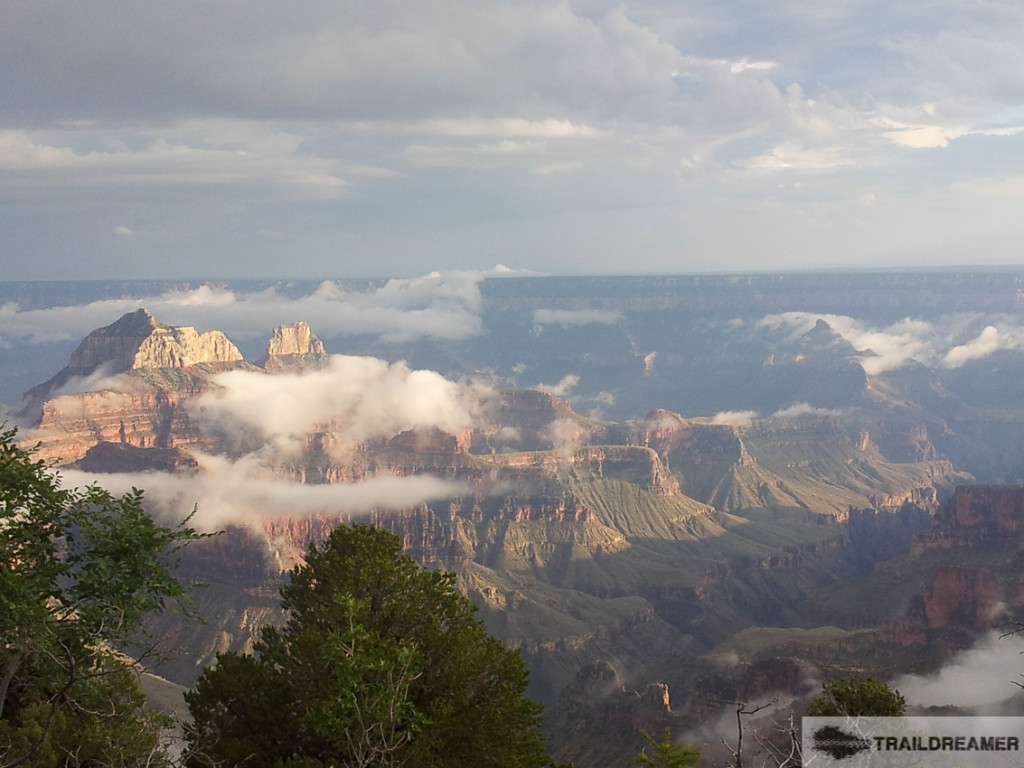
667	493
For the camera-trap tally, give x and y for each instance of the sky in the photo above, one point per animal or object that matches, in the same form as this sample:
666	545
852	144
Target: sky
258	138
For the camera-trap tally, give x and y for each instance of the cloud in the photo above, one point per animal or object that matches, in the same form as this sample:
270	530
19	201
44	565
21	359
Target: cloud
356	60
931	343
242	492
173	154
99	380
564	386
565	435
443	305
355	399
985	344
568	317
734	418
981	675
516	127
802	409
122	231
563	133
887	348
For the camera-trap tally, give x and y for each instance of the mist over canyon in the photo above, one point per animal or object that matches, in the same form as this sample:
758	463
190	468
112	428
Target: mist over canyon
667	492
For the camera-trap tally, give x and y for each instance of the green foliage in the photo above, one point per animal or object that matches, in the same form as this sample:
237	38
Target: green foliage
381	662
79	569
666	754
853	697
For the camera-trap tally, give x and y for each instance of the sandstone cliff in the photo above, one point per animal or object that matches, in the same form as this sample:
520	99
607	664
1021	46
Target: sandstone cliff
127	383
137	340
293	348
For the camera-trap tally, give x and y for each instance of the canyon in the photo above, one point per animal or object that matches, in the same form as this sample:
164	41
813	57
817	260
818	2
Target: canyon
648	568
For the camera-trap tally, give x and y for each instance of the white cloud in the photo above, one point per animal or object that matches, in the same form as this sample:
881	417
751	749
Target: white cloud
564	386
802	409
175	156
99	380
565	436
932	343
985	344
355	399
335	138
981	675
734	418
242	492
891	347
792	156
550	128
920	136
440	305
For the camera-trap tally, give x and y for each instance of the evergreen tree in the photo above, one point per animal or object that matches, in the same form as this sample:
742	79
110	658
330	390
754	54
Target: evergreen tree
381	662
666	753
857	697
79	570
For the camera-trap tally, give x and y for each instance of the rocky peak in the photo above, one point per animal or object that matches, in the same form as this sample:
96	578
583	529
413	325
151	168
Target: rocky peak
293	347
114	345
137	341
294	339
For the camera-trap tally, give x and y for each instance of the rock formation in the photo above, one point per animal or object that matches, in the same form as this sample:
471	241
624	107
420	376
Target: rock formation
137	340
127	383
293	348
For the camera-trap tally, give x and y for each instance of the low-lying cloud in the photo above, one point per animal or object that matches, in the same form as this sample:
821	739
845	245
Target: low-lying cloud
802	409
564	386
243	492
354	398
985	344
982	675
937	343
443	305
734	418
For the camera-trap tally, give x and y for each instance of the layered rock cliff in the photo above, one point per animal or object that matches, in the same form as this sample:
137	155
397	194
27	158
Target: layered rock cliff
137	340
293	348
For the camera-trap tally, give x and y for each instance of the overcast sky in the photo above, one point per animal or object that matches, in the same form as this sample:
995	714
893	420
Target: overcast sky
262	138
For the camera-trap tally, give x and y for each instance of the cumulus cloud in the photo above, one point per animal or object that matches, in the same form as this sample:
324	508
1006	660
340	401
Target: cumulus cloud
568	317
443	305
355	398
228	492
